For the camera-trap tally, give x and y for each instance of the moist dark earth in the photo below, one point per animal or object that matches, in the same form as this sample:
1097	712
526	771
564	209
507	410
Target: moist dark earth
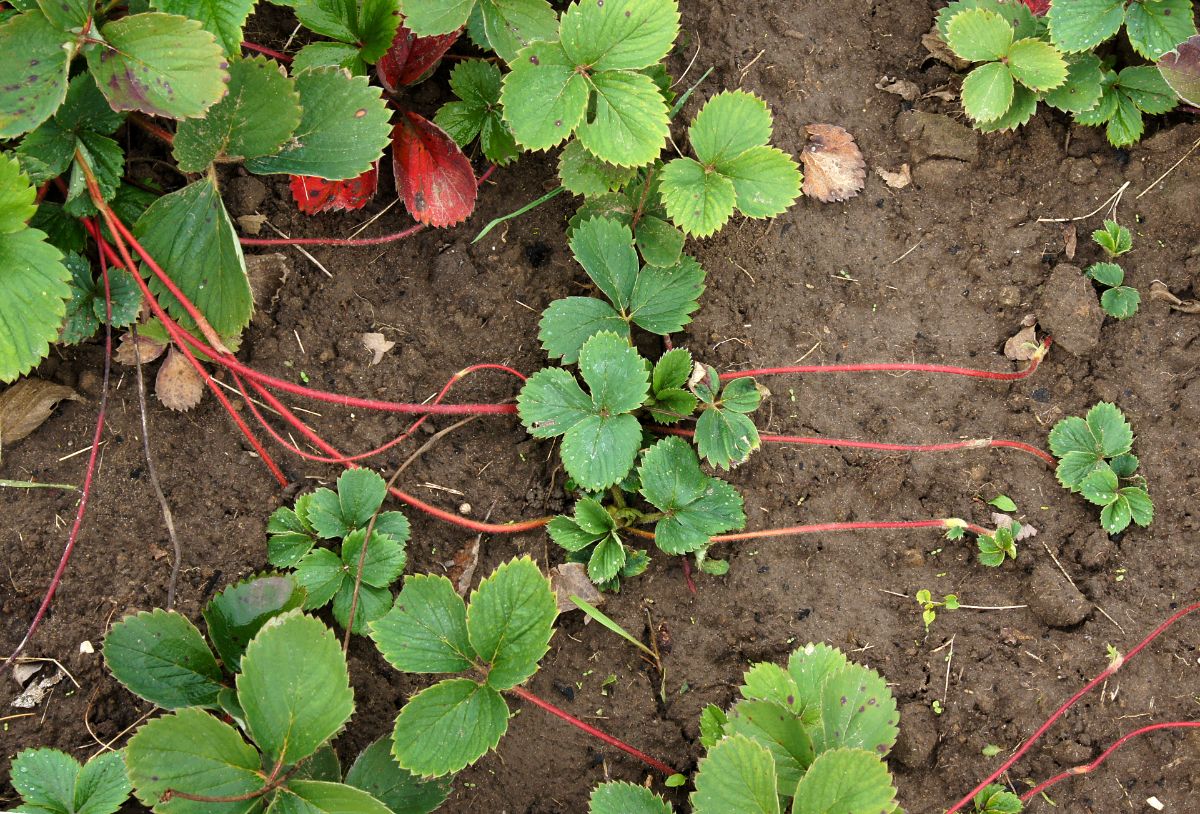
943	270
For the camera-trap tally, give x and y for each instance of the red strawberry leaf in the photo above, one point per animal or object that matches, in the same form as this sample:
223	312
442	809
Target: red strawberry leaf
411	57
1038	7
313	195
433	176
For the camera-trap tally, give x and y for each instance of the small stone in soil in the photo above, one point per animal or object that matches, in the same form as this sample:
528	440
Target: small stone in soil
1054	601
1070	310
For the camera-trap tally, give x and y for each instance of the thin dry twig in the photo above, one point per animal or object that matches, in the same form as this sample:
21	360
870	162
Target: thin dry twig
152	471
1113	201
1170	170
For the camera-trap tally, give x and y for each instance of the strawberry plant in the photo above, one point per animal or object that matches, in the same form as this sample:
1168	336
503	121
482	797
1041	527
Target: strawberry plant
810	738
53	782
328	576
1118	300
1027	58
1181	69
1095	461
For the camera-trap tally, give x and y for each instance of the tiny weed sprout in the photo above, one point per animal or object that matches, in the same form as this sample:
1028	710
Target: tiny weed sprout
53	782
929	606
811	738
334	576
1095	461
1025	58
1118	300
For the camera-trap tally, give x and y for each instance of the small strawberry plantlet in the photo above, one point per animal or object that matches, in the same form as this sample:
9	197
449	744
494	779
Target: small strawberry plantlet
329	576
996	799
929	606
1118	300
1029	58
494	643
810	738
1095	461
53	782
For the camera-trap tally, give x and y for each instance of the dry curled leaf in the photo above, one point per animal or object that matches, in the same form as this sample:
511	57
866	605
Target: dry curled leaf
145	348
1070	240
35	693
1022	345
940	51
251	224
378	344
178	386
28	403
1005	521
906	90
896	180
1160	292
461	570
571	579
834	169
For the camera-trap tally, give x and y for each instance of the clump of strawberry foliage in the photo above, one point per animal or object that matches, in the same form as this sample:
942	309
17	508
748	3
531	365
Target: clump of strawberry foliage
1060	56
53	782
811	738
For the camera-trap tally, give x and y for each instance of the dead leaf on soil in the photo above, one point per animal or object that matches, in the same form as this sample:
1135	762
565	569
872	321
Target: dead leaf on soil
178	386
251	224
946	93
1070	239
28	403
267	274
461	570
901	87
378	344
940	51
1160	292
571	579
128	351
834	169
1021	346
37	692
896	180
1004	521
22	673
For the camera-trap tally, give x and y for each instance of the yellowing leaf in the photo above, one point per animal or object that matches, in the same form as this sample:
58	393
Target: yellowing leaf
834	169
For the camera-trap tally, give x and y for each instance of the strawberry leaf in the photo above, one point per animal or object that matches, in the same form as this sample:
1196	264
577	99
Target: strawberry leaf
1019	16
1024	105
1159	26
699	201
987	92
978	35
1181	70
224	19
660	243
663	299
34	51
409	58
857	711
843	781
1106	273
1100	486
568	323
780	730
584	174
728	125
1141	508
510	25
161	656
626	798
375	772
1083	24
696	506
1120	302
738	774
426	630
544	97
510	621
53	782
996	799
256	117
629	120
448	726
433	176
477	113
1036	64
236	614
1083	87
315	195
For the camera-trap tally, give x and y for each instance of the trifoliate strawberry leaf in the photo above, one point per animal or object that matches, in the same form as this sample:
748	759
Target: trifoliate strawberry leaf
663	299
510	620
161	656
204	258
996	547
448	726
601	438
33	59
737	774
699	201
1159	26
619	34
1109	274
628	122
695	506
426	630
433	176
782	732
256	118
383	563
568	323
660	243
1036	64
1082	445
360	493
987	92
1083	24
53	782
320	574
190	751
591	527
1115	239
996	799
584	174
1181	70
343	128
477	112
375	772
626	798
1083	87
845	781
978	35
1018	15
87	309
160	64
1120	302
294	687
725	437
236	614
857	711
224	19
364	30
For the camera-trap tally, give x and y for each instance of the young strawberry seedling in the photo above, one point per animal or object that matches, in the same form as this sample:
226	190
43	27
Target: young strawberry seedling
814	735
1118	300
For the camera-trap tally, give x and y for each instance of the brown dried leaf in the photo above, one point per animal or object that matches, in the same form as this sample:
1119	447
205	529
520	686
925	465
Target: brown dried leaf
571	579
1160	292
940	51
251	224
1004	521
903	88
896	180
1070	240
28	403
834	169
128	351
378	344
178	386
461	570
1022	345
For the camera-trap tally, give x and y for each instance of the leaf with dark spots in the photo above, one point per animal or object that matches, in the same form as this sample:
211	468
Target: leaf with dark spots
433	176
314	195
411	57
33	63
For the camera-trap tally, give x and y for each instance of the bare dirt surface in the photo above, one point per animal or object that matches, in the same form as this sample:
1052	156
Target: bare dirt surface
943	270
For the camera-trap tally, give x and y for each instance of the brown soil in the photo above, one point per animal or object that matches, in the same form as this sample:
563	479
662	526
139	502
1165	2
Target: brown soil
943	270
